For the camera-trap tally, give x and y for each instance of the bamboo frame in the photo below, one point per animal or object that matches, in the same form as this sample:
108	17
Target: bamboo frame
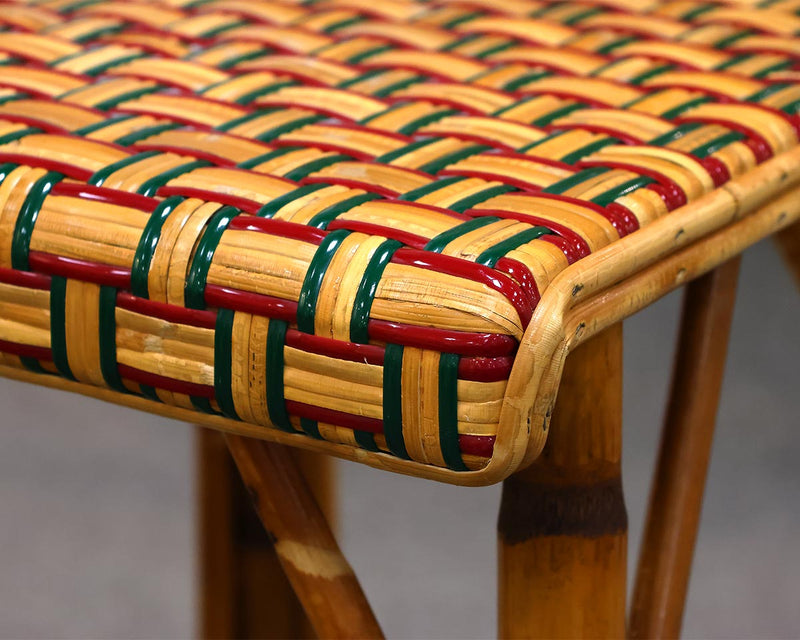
679	480
318	572
562	525
587	297
788	241
242	588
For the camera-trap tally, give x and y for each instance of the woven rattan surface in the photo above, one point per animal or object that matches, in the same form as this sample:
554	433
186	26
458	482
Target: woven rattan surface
337	218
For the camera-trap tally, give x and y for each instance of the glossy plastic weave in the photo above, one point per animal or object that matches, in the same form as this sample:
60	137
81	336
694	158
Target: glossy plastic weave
336	219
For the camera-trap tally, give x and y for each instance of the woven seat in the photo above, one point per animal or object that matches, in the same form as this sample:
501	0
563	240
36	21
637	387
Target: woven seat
373	229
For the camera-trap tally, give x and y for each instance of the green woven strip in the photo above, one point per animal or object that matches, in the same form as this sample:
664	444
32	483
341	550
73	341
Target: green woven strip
396	86
453	22
273	206
718	143
696	12
439	242
215	31
485	53
234	60
733	60
23	230
102	68
583	15
58	332
108	339
493	254
671	136
370	52
264	157
194	291
99	177
365	293
466	39
32	364
559	113
309	291
16	135
149	392
368	74
143	257
202	404
108	105
310	428
366	440
623	189
448	411
387	158
97	126
651	73
476	198
435	185
325	216
621	42
5	169
150	186
589	149
524	79
574	180
346	22
276	403
99	33
434	166
133	138
247	98
298	173
767	91
273	133
222	362
392	402
725	42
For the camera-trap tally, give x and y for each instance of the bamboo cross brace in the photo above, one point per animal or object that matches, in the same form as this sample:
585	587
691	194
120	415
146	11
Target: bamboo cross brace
788	242
318	572
679	480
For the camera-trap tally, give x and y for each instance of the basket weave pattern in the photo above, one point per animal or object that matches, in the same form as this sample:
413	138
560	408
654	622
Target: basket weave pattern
336	218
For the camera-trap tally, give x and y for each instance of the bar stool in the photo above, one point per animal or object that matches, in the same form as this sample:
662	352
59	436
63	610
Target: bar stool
401	233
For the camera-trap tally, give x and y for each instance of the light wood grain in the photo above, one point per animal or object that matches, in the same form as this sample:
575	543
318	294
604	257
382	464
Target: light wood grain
562	525
676	497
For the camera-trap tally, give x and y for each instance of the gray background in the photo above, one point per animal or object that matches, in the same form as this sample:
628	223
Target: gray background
96	503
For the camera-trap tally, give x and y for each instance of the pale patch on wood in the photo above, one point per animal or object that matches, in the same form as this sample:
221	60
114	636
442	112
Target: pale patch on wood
320	563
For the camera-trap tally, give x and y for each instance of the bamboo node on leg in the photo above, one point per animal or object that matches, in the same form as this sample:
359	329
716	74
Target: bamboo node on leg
588	511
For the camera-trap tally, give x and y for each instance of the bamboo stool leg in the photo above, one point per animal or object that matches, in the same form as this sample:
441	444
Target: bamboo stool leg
318	572
244	592
677	494
788	241
562	525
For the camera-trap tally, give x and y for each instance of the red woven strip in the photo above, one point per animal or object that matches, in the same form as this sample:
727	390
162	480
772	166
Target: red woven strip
409	239
104	194
463	269
168	312
246	205
482	446
27	279
278	228
26	351
103	274
329	416
461	342
167	384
